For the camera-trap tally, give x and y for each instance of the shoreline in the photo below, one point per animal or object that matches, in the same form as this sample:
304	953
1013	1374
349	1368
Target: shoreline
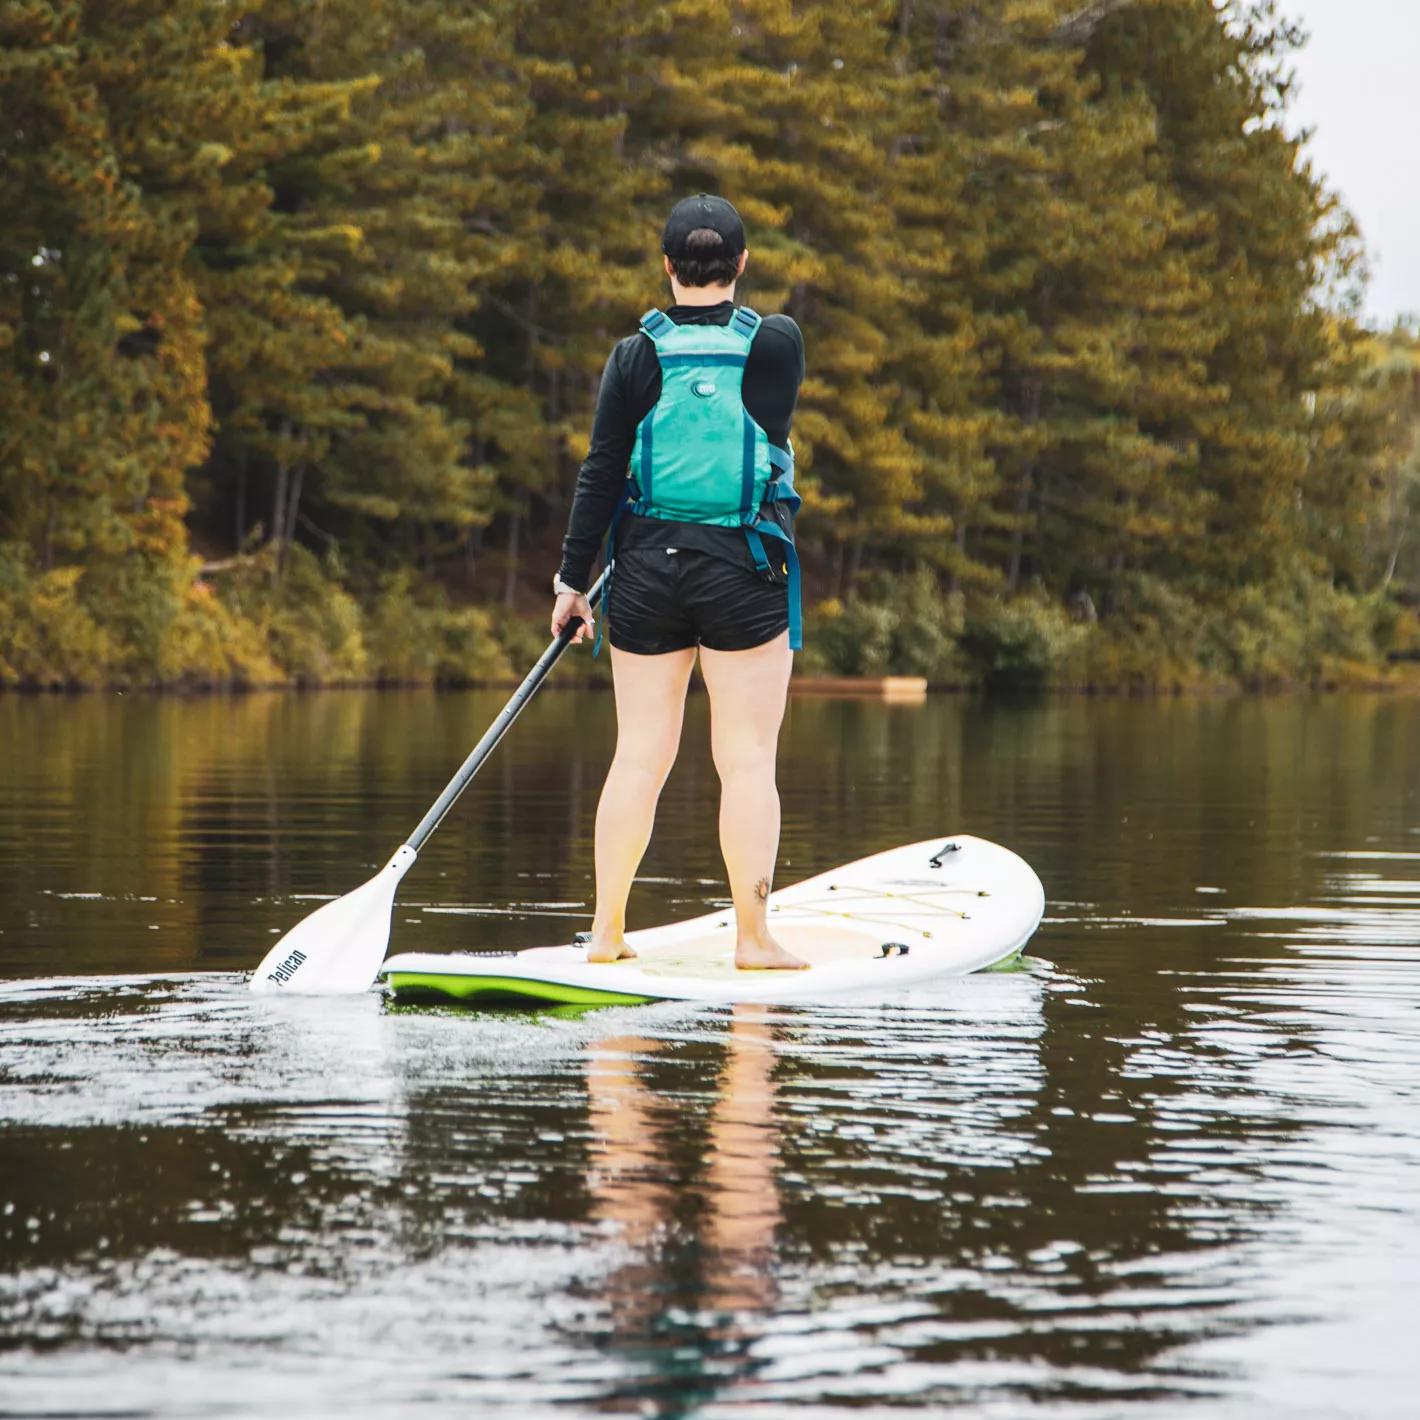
889	689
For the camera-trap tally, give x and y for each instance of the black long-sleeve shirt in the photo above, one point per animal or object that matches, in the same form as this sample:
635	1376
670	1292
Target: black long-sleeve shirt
630	387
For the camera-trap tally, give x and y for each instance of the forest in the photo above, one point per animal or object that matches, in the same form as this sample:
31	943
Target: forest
303	309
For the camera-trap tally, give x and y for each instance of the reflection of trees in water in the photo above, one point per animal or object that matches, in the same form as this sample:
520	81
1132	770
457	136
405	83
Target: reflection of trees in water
201	815
219	807
104	1196
1005	1174
951	1154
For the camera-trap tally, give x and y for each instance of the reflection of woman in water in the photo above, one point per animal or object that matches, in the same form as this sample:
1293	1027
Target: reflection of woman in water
634	1185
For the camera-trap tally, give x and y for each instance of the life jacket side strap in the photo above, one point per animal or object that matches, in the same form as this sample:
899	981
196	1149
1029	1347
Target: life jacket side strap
782	490
756	550
791	567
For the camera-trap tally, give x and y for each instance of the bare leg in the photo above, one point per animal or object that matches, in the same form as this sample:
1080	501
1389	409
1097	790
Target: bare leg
747	693
650	707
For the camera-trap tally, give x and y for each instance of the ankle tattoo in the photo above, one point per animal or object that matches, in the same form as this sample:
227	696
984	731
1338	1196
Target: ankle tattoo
761	889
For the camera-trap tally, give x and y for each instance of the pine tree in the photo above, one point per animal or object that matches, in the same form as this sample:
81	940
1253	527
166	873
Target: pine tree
340	371
1262	246
346	275
577	270
103	379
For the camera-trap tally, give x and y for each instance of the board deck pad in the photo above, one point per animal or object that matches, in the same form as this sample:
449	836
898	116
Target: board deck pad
943	907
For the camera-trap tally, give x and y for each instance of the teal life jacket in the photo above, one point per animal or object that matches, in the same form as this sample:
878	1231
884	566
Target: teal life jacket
700	457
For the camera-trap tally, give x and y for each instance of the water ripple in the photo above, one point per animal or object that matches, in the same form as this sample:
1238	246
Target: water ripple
1172	1170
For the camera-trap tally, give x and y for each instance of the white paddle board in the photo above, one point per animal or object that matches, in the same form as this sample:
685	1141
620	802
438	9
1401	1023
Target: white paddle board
945	907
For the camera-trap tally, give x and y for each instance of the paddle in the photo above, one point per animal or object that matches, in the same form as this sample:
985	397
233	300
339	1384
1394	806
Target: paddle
338	949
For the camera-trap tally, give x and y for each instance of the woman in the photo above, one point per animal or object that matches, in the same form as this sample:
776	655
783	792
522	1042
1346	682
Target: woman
697	405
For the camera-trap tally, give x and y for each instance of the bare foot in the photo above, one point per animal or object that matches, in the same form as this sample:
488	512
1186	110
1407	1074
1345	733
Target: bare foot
616	950
765	954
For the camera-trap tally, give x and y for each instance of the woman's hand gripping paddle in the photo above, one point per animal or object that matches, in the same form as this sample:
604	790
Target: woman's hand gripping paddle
338	949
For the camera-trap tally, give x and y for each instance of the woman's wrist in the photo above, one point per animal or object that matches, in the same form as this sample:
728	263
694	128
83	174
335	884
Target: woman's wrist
563	589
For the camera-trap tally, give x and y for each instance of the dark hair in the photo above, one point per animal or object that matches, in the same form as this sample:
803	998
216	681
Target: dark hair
706	263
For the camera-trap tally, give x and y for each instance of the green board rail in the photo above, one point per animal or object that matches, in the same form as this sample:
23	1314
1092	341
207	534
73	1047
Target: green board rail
493	988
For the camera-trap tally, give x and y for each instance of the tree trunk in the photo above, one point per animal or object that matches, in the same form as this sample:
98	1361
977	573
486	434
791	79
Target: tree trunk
1032	396
470	557
293	508
241	522
1393	560
954	581
900	66
1018	536
278	515
510	576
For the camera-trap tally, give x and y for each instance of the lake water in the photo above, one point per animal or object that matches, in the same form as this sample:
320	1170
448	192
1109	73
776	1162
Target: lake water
1169	1168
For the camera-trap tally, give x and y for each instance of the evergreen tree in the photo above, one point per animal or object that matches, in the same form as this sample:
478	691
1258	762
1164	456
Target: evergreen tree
1262	246
342	377
103	381
346	276
577	270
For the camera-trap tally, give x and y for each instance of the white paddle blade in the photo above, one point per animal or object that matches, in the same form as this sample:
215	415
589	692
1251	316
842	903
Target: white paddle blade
337	950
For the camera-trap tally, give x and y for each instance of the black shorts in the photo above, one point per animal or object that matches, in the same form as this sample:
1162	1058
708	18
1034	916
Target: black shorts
665	599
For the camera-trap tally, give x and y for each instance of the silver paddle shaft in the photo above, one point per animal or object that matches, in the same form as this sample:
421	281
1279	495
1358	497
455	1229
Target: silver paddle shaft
499	727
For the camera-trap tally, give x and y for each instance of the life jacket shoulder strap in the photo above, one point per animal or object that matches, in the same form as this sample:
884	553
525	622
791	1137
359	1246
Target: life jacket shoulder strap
745	322
656	324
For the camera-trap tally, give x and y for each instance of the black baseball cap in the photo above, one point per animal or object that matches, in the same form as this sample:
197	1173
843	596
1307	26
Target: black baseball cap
690	214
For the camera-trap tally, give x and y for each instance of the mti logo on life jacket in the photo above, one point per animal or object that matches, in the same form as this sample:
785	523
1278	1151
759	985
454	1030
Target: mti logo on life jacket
703	388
